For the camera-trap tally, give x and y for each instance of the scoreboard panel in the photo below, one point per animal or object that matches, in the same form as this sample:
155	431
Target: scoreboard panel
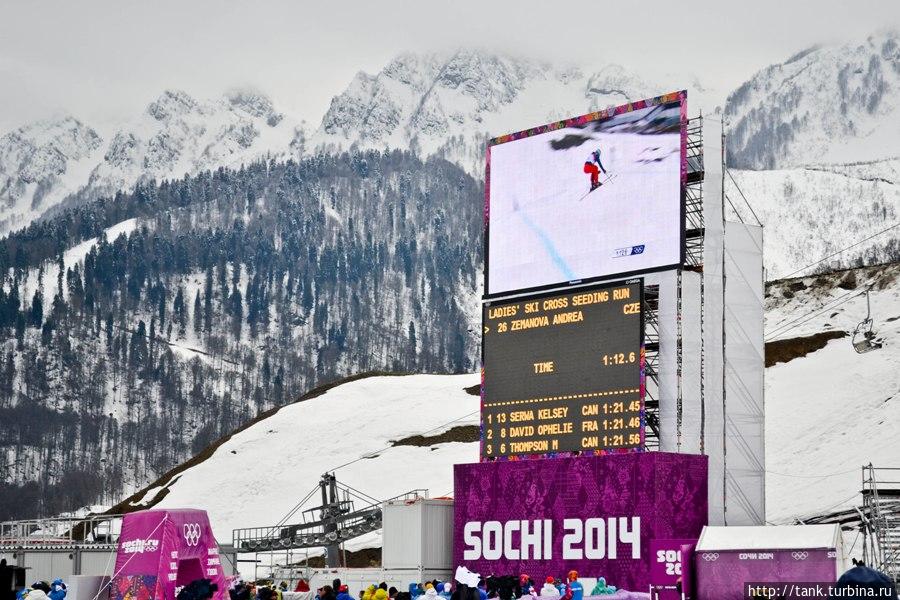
562	372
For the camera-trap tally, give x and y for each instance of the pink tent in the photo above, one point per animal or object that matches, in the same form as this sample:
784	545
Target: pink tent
162	550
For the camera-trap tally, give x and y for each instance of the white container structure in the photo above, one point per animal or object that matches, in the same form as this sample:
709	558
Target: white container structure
418	534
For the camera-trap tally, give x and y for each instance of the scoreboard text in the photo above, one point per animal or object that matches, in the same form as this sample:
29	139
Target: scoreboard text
562	373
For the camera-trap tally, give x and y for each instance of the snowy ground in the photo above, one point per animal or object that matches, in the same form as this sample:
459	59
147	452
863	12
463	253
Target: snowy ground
258	476
827	414
832	411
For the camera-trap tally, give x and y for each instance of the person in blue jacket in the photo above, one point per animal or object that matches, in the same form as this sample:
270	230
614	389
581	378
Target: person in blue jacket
575	586
57	590
482	589
344	593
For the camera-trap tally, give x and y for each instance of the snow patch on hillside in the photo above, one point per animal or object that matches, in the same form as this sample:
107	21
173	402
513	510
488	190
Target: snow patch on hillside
809	214
78	253
258	475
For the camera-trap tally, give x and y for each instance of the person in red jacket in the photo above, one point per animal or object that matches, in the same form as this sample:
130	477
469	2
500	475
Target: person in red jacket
593	166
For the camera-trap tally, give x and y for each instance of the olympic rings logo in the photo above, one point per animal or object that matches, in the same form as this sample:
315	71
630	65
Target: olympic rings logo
191	533
710	556
800	555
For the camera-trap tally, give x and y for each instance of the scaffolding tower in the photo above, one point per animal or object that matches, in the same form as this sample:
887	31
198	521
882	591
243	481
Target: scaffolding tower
881	519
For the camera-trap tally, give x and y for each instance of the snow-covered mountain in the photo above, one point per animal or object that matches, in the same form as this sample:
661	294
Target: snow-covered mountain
178	135
826	105
814	145
447	104
43	163
354	210
811	386
451	104
809	214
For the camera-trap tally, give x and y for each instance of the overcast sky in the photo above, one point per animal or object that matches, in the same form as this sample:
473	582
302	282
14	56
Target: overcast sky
105	60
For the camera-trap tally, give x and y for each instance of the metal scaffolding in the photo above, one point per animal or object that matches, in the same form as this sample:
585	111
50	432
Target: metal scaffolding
326	526
695	232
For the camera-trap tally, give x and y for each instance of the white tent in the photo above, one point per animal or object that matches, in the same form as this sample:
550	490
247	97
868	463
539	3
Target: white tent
773	537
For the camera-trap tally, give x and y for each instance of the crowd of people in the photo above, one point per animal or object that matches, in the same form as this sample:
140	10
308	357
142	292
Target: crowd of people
489	588
41	590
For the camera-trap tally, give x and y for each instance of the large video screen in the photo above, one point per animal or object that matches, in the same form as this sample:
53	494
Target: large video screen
587	198
563	373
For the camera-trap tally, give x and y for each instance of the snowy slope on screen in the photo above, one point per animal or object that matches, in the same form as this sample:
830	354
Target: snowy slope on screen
546	228
258	476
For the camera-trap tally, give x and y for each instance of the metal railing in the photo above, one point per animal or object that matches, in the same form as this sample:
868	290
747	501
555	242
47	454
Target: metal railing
61	531
313	534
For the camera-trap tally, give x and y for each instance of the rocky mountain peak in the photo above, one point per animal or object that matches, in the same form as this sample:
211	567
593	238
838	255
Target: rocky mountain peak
171	103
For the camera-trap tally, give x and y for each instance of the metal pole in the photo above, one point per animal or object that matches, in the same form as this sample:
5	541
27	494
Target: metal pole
724	354
329	516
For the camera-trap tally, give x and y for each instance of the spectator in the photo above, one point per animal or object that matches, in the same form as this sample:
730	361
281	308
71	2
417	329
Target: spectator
265	593
199	589
58	590
392	592
35	594
575	586
548	590
344	593
861	578
601	589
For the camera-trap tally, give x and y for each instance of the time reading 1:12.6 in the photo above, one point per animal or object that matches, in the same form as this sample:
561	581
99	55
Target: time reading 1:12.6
619	359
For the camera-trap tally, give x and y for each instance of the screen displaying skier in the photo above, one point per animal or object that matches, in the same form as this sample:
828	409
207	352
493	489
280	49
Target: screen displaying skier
586	198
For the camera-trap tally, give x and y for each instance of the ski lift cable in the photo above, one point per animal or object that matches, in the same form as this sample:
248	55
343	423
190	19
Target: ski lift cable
747	202
788	319
788	325
796	322
297	507
354	493
782	330
824	510
734	208
812	476
367	454
359	494
833	254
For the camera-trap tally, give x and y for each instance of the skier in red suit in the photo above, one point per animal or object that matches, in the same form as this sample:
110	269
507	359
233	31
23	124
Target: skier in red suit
593	166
